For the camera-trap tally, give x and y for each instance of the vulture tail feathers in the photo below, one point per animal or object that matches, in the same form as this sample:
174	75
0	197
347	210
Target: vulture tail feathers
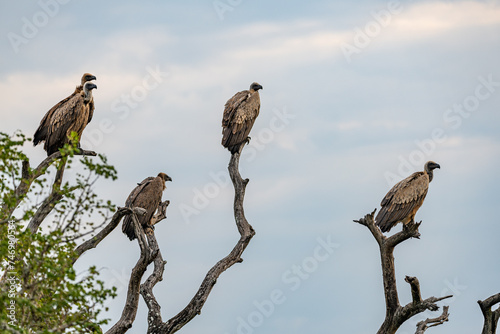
382	222
128	228
234	149
39	136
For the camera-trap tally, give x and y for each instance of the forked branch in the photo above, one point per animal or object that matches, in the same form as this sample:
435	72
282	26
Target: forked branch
396	314
155	323
147	256
490	317
422	326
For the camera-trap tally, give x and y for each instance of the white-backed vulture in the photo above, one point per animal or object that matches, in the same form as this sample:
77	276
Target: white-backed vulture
405	198
71	117
240	113
146	195
43	129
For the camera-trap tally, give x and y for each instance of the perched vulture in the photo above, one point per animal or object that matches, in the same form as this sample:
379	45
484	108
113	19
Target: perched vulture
146	195
405	198
240	113
46	125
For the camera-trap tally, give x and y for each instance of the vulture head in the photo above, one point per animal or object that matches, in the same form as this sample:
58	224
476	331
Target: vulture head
165	178
255	86
87	77
429	167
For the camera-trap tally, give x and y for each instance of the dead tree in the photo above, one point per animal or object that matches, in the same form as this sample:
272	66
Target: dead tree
423	325
150	252
396	314
490	317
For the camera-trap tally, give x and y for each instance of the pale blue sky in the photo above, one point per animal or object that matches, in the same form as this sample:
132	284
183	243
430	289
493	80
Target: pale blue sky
334	133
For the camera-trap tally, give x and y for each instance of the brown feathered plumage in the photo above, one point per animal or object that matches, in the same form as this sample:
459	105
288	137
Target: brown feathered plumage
240	113
146	195
72	116
405	198
43	128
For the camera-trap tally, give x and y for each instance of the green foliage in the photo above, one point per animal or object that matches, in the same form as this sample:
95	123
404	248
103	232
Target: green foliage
40	290
11	158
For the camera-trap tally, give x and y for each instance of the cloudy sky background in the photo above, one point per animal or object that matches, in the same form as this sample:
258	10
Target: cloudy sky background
356	97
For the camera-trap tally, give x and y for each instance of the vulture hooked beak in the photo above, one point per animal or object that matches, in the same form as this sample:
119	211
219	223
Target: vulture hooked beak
91	86
434	166
92	77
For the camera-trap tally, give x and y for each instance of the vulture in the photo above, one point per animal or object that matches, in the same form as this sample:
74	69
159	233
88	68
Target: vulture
46	130
146	195
240	113
405	198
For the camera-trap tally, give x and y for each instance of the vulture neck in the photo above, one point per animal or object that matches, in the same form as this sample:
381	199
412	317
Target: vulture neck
88	96
163	183
430	173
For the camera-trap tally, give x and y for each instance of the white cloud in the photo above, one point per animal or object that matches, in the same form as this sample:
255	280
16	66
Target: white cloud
429	19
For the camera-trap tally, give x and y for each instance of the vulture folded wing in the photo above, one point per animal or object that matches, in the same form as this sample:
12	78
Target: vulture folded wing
403	200
146	195
137	190
232	105
43	128
61	123
239	116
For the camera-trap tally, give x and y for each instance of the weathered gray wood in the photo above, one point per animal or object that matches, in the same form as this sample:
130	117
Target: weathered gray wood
422	326
95	240
396	314
490	317
147	256
193	308
150	251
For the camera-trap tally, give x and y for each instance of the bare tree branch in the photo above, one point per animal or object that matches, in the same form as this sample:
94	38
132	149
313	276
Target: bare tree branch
130	309
161	214
154	313
154	309
155	324
395	314
422	326
490	317
415	289
94	241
